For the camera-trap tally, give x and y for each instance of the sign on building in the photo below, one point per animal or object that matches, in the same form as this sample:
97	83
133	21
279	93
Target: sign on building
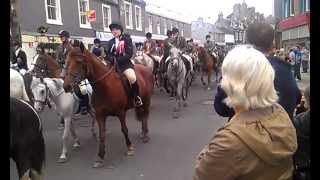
92	16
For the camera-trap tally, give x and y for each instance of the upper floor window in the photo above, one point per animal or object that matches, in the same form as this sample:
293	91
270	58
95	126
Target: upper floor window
106	16
164	27
305	5
182	28
150	24
53	12
83	6
158	27
138	18
128	14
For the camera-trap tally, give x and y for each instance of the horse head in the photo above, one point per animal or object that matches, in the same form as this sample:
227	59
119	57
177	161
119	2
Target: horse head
40	92
78	67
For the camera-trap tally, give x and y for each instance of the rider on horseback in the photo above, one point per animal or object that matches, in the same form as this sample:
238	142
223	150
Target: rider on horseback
120	49
149	46
62	53
209	46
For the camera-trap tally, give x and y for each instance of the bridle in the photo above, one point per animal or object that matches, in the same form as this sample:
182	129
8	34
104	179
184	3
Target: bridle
47	91
78	77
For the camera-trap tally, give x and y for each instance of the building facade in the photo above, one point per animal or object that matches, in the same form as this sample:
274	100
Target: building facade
294	22
158	20
200	28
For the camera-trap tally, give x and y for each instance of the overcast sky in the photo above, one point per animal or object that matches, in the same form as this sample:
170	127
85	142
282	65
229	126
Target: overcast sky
209	9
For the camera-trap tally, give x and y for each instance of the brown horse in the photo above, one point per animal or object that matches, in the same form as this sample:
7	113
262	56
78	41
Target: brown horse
110	96
46	66
207	65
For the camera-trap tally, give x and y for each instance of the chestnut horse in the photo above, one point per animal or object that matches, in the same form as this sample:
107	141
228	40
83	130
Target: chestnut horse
110	97
207	65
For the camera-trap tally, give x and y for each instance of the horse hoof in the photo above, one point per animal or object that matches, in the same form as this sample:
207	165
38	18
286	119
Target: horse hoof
208	88
185	104
130	151
98	164
145	139
62	160
175	115
76	146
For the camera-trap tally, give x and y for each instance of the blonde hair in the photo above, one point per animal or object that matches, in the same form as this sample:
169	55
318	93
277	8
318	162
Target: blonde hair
247	79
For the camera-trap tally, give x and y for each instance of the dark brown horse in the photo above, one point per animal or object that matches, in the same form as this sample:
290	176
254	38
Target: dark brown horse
46	66
207	65
110	96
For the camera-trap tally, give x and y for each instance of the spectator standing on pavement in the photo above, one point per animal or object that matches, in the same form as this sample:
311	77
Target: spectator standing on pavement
302	155
260	140
292	57
297	63
261	35
305	59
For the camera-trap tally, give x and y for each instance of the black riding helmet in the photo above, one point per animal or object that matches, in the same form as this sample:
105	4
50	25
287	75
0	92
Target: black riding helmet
64	33
115	25
149	35
175	30
169	33
96	41
208	36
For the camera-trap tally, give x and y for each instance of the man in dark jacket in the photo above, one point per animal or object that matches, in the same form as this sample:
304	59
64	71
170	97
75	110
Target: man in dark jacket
21	57
302	125
261	36
120	49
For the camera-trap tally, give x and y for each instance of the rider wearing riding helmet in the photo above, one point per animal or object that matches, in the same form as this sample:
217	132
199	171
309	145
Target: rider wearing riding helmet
178	40
21	58
149	45
209	45
63	50
97	49
120	49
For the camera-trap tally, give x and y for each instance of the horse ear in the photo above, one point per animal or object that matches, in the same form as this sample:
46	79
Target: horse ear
41	79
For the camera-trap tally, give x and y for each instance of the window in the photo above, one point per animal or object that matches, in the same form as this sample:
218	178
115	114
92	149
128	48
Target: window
106	16
83	6
305	6
53	12
128	14
182	27
291	8
138	18
150	24
165	27
158	27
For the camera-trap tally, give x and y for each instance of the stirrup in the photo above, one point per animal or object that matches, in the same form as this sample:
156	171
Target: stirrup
137	101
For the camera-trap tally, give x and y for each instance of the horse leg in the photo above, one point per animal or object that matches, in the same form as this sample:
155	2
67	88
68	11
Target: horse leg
124	129
142	115
67	124
76	144
178	100
202	81
102	136
93	131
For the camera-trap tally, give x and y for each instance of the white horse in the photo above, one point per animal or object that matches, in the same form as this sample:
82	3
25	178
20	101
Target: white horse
17	86
144	59
51	90
176	74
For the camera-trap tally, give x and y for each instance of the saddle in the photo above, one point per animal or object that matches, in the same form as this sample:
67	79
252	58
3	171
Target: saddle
186	63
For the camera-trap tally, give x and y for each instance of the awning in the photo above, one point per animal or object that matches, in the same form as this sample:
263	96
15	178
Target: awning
159	37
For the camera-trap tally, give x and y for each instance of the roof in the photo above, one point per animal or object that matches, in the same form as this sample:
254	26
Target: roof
157	10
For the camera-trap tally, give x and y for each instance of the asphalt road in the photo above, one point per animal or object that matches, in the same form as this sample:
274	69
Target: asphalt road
169	155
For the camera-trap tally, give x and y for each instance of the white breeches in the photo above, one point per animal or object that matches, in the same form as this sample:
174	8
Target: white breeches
131	75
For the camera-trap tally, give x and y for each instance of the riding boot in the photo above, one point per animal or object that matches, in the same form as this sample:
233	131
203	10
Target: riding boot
135	91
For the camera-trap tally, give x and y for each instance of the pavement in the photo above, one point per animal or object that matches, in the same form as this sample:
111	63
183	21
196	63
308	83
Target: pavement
305	80
170	154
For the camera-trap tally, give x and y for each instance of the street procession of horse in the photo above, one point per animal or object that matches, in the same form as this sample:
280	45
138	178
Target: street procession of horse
84	82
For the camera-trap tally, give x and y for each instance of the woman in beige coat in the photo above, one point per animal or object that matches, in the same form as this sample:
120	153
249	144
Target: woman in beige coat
259	141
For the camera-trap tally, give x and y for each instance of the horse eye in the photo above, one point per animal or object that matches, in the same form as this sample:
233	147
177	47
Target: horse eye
42	92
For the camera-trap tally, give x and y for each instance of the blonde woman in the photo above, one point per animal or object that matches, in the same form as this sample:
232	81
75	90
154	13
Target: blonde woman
259	141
